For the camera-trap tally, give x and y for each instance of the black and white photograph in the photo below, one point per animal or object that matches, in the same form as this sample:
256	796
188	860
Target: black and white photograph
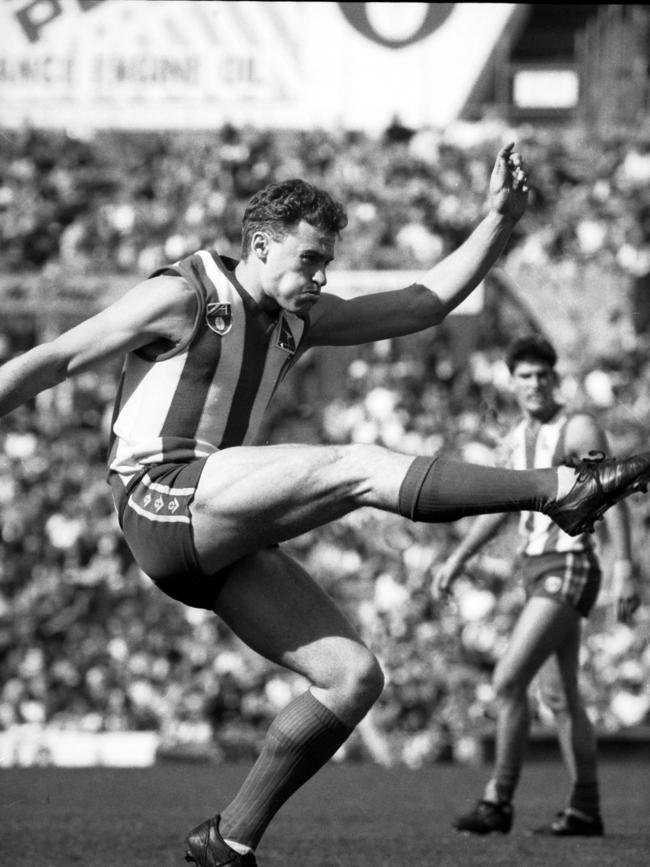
324	434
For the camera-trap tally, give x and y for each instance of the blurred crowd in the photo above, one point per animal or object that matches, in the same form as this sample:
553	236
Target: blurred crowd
86	641
127	201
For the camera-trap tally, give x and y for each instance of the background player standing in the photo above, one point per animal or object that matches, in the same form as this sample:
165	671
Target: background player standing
561	576
203	506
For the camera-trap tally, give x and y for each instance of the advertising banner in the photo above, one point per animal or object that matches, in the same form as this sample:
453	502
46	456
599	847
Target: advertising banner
196	64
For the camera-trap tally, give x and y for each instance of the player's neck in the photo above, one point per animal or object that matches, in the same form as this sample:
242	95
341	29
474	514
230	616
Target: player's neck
248	278
543	416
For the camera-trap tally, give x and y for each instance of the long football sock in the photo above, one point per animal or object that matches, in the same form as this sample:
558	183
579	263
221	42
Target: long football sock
437	490
301	739
585	798
501	788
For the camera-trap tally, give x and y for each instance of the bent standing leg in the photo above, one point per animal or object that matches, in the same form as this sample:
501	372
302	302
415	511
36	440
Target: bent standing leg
542	628
560	692
276	609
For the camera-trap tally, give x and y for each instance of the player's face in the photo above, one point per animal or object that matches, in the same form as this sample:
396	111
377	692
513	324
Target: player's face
294	271
534	385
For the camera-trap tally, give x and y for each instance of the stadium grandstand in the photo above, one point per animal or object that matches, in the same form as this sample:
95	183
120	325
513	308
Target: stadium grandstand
132	133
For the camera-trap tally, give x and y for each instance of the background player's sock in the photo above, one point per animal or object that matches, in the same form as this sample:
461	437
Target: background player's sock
301	739
501	788
585	798
437	490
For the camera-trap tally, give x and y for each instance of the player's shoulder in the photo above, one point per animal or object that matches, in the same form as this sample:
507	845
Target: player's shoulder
169	293
581	420
583	432
162	304
318	320
327	301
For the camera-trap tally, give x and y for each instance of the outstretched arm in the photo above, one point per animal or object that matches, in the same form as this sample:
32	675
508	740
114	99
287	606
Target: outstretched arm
442	288
625	571
454	278
158	308
482	530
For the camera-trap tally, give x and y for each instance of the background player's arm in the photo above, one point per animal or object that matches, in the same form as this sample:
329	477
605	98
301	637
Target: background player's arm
335	321
481	531
583	435
158	308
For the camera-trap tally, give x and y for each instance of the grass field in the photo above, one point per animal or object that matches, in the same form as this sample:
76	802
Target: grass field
350	815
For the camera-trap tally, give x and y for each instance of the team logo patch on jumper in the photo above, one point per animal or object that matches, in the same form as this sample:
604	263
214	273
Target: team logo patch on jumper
285	340
218	316
553	584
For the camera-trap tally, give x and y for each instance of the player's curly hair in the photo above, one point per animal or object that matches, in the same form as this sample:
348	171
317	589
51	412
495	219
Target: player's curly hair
279	207
531	347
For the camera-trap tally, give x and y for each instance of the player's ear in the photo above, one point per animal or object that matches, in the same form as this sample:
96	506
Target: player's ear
260	245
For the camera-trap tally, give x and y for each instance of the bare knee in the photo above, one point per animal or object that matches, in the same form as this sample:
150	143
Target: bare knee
509	688
358	679
561	703
370	679
364	679
553	697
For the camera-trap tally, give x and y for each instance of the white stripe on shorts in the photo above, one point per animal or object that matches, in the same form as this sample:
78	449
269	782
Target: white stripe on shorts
182	519
165	489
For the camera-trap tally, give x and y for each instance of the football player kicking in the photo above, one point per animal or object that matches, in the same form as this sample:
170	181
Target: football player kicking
561	576
203	507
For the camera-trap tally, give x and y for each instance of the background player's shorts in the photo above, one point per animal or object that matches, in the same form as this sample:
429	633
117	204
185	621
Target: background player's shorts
154	514
572	578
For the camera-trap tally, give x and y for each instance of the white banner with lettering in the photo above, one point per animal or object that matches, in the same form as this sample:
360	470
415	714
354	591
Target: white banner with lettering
198	63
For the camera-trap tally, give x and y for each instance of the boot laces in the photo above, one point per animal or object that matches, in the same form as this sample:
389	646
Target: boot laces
587	468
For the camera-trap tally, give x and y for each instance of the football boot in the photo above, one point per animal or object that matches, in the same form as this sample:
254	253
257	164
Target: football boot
487	817
573	823
207	848
600	483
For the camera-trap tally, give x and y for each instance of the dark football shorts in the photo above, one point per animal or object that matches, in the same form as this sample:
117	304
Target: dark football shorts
154	514
572	578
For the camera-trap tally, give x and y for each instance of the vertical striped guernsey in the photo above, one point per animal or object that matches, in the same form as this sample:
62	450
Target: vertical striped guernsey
212	392
546	449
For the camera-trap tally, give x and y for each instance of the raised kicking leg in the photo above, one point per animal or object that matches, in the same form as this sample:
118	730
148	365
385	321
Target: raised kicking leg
279	611
250	497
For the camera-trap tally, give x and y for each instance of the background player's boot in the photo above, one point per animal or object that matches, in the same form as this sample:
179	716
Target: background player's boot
207	848
487	817
573	823
600	483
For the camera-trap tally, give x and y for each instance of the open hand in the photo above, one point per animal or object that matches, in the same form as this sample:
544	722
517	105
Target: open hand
444	577
509	183
625	582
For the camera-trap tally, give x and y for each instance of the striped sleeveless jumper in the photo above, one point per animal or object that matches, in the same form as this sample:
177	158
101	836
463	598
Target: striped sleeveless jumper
546	449
211	392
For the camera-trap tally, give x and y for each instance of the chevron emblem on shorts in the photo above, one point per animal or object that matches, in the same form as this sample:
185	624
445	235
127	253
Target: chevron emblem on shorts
161	503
